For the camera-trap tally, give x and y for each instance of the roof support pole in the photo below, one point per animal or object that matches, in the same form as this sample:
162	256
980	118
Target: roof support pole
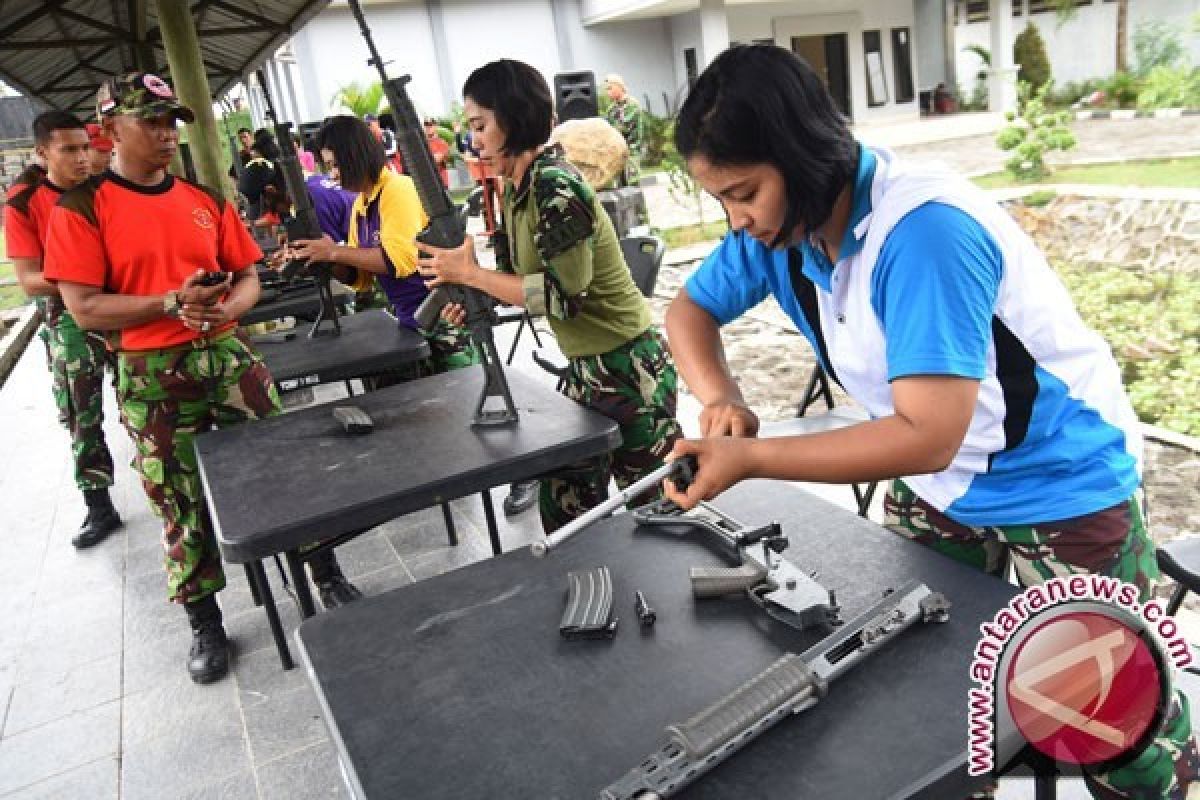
191	84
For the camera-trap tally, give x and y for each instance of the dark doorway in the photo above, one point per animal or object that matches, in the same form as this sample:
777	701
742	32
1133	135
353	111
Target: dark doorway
829	56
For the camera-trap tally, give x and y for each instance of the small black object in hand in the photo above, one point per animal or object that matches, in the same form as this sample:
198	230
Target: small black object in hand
212	279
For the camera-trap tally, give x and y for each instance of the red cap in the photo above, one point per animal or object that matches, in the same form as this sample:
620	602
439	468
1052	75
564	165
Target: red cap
97	139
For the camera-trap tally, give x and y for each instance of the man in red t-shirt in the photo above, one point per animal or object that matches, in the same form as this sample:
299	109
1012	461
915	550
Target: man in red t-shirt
101	153
76	357
129	251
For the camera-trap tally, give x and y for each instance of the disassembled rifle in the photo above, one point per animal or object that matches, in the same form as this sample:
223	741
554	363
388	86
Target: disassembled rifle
792	684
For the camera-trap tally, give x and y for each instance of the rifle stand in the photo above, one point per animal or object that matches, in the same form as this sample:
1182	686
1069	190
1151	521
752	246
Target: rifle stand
328	312
495	388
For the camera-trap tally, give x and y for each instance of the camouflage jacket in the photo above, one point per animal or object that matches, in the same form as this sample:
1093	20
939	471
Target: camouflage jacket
626	117
558	238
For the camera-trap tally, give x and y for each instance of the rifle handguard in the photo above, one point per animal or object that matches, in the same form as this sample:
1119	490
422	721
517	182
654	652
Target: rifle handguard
785	687
722	581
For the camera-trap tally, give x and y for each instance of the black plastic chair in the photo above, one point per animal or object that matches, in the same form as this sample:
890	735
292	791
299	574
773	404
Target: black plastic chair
1180	559
644	255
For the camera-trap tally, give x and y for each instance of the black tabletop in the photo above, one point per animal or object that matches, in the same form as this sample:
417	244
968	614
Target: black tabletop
301	302
461	687
370	343
281	482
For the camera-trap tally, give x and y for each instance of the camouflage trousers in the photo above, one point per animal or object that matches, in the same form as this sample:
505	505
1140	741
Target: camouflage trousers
634	385
167	397
77	359
450	348
1111	542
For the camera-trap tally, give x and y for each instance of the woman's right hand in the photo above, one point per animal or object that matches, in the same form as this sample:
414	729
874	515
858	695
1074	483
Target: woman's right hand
454	313
726	418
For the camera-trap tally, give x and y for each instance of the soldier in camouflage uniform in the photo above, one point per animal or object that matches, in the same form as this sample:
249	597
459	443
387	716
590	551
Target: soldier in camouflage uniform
558	256
76	358
182	368
625	114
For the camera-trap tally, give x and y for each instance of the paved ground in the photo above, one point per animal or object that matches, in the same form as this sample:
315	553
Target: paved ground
94	699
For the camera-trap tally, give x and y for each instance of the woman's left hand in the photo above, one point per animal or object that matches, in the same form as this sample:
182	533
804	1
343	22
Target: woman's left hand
438	265
721	462
317	250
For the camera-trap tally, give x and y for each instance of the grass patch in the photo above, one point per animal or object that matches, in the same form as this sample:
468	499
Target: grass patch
685	235
1180	173
11	295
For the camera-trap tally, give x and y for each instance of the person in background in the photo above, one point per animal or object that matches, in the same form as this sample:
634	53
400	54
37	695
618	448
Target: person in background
625	114
259	173
381	245
308	162
557	255
439	149
245	139
77	358
100	153
997	413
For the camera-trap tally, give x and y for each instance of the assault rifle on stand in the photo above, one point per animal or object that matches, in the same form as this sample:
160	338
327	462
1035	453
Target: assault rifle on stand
303	224
446	229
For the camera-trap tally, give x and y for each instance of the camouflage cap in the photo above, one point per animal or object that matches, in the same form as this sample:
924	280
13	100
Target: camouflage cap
140	94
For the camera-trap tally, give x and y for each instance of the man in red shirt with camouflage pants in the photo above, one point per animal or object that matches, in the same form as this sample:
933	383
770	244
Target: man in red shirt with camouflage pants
77	358
128	251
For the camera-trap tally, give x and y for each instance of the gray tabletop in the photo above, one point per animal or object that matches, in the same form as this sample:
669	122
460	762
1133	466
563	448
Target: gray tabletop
278	483
370	343
461	687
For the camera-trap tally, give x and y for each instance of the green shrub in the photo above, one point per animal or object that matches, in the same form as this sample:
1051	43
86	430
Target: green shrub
1170	87
1156	44
1150	322
1123	89
1039	198
1033	132
654	138
1029	53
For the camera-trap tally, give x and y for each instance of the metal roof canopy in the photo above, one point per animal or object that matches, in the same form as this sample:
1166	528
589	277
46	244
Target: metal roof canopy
59	51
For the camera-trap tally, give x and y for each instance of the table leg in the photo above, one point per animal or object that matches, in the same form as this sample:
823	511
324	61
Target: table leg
254	595
489	514
258	576
300	582
451	534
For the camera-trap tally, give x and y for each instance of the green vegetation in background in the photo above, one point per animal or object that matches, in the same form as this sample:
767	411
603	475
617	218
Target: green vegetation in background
1032	132
1029	54
1182	173
1150	321
686	235
10	296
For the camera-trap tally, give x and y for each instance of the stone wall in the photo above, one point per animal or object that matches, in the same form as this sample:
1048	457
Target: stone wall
1158	235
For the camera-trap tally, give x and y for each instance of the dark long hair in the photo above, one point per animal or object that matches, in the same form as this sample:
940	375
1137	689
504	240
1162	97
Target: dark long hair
360	156
761	104
519	97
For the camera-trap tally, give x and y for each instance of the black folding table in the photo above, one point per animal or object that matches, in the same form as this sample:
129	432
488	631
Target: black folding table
423	451
461	687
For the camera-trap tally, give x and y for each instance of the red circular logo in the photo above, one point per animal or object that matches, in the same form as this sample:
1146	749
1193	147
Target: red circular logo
1085	688
203	217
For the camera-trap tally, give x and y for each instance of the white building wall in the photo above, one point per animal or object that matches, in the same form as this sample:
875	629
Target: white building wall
331	53
929	30
1083	48
638	50
685	33
881	15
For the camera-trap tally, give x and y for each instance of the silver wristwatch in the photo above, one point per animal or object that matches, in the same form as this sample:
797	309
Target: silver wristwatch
171	307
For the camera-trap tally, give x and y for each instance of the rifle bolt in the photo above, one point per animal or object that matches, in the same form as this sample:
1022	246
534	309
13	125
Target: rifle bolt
645	613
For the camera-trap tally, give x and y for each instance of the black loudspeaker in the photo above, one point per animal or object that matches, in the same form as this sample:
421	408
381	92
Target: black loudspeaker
575	95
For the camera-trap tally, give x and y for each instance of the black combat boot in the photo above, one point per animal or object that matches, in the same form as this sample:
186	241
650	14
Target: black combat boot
209	658
331	584
521	497
101	520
